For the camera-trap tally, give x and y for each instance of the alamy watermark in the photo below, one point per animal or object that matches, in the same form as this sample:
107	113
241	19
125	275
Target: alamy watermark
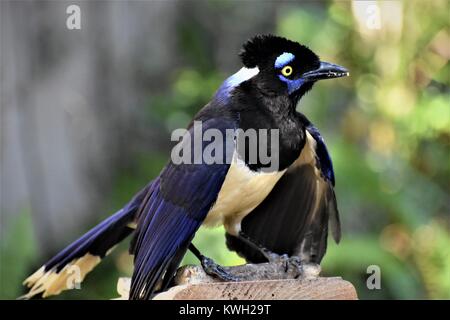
373	282
73	21
74	279
213	146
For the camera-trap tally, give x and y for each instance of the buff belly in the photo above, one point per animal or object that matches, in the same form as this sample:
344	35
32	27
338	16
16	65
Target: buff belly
241	192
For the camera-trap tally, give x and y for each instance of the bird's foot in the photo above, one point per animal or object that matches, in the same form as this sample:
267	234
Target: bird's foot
269	255
292	265
213	269
295	266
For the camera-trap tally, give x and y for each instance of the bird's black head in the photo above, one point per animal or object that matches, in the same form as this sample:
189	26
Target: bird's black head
285	67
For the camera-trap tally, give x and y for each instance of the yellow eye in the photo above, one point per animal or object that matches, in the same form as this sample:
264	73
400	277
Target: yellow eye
286	71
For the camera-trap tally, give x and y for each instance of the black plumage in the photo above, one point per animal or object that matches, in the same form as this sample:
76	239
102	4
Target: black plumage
261	50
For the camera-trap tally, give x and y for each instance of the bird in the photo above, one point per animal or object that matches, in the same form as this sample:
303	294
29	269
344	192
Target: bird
166	214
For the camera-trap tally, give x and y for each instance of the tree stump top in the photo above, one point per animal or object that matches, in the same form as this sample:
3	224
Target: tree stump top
266	281
287	289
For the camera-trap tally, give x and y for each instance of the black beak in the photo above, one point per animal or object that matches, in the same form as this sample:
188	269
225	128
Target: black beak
325	71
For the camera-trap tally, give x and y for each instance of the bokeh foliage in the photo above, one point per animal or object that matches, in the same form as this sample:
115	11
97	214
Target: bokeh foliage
387	127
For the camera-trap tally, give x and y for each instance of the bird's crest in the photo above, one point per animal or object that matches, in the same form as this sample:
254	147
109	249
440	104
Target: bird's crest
261	47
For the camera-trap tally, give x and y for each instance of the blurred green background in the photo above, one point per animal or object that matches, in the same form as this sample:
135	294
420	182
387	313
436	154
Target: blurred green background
387	127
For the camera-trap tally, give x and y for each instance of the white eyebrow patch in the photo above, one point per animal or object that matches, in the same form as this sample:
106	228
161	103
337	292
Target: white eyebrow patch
284	59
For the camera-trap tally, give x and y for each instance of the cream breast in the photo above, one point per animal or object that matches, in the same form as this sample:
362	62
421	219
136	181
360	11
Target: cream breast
242	190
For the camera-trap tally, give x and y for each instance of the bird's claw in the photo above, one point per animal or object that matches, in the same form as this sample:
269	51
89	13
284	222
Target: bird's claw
296	265
291	264
213	269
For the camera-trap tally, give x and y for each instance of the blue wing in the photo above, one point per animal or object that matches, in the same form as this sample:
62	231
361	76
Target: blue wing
323	157
171	215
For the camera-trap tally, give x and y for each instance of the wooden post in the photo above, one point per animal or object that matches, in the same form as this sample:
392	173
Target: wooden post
265	281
